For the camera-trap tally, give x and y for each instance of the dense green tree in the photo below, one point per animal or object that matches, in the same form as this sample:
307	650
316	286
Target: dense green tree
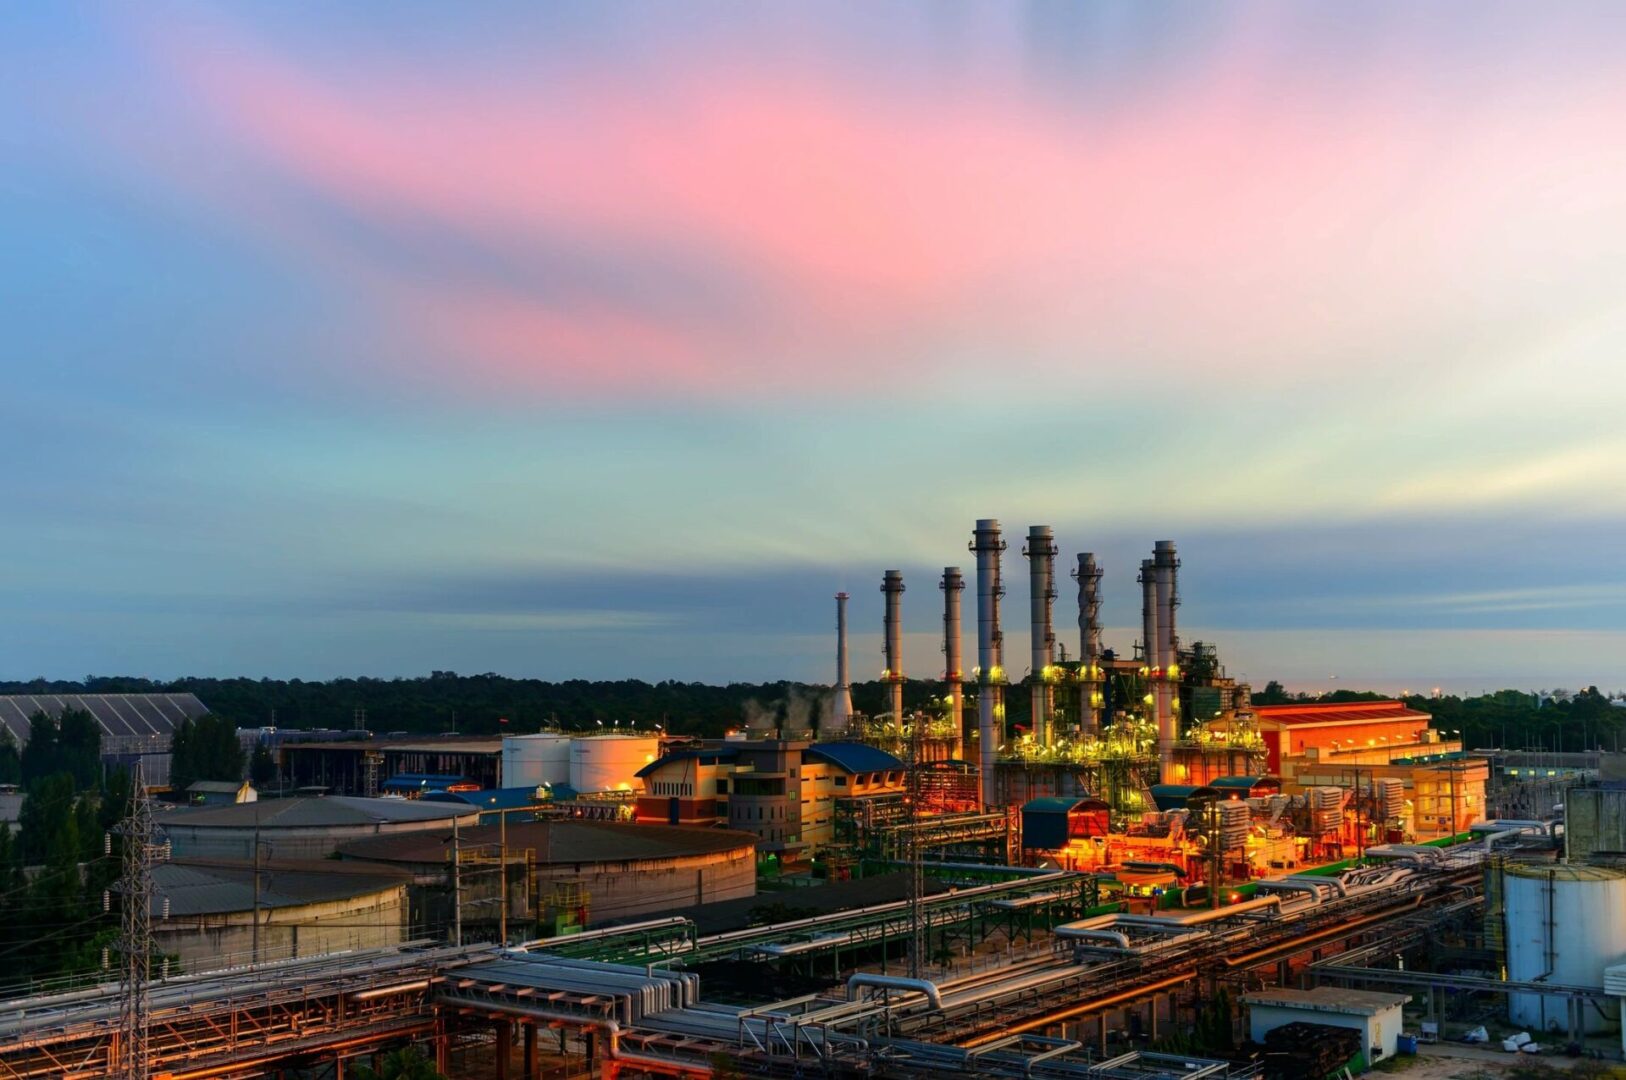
50	802
204	749
11	762
71	743
262	767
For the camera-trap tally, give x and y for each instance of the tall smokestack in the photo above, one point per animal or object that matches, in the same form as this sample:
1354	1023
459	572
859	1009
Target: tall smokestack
841	711
1149	646
1041	553
1168	728
988	546
892	586
953	671
1088	576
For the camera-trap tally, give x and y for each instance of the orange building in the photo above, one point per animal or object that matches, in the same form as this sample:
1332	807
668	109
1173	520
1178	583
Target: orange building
1351	732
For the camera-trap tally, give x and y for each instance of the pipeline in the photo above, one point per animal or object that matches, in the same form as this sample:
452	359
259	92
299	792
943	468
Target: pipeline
1079	1010
1307	939
1289	885
895	982
1117	937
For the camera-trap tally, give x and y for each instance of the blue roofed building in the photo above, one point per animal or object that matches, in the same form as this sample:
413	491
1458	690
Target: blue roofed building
782	790
515	804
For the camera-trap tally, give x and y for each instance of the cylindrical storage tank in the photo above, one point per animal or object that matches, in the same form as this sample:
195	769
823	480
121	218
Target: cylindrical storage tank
610	762
1565	924
529	760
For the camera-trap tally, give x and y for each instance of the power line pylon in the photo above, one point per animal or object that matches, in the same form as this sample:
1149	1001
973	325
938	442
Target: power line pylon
141	850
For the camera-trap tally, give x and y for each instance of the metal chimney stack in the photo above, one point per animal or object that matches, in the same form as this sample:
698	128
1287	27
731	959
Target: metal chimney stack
1151	641
892	587
1041	554
841	711
953	584
988	546
1088	576
1168	657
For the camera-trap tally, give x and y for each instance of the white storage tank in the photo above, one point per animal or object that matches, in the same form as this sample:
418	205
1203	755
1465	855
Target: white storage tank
1565	924
611	762
530	760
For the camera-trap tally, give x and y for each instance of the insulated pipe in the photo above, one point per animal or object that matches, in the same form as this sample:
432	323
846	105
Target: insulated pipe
988	546
841	712
1197	918
1088	576
953	584
1117	937
1289	885
1041	554
1166	666
895	982
892	587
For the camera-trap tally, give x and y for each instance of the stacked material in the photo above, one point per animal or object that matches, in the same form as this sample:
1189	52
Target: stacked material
1308	1051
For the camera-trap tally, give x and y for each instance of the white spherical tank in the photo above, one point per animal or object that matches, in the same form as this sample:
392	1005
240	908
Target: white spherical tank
529	760
611	762
1565	924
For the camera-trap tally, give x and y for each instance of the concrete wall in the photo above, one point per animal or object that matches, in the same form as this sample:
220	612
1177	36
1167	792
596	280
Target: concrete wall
226	939
1594	821
237	842
1380	1030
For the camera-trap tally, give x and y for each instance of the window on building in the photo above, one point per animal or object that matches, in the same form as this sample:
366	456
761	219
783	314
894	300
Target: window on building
841	781
722	787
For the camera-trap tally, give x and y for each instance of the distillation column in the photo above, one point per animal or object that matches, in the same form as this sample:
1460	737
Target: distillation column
1090	697
892	587
1150	643
1041	553
988	546
1168	656
841	710
953	584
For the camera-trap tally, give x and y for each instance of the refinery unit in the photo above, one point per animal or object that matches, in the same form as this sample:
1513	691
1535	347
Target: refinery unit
1150	756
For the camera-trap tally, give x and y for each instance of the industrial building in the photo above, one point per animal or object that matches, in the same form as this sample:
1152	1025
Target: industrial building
783	792
209	914
562	874
300	828
1376	1016
361	765
135	728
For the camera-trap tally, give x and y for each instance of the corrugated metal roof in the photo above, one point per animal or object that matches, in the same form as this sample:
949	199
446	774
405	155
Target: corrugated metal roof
213	888
119	715
706	757
304	813
854	757
1353	712
555	842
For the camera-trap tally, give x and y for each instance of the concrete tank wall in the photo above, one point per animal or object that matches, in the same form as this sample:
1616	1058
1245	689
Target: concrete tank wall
306	842
1565	924
611	762
529	760
226	939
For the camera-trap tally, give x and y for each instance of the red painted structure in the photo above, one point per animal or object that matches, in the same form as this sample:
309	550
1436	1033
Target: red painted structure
1290	730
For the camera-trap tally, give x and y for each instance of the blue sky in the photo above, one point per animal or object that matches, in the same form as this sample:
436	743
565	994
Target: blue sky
589	343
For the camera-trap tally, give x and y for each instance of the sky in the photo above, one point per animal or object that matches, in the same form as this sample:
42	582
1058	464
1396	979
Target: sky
584	340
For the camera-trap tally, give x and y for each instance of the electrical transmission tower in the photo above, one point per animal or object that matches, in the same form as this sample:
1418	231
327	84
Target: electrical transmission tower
141	850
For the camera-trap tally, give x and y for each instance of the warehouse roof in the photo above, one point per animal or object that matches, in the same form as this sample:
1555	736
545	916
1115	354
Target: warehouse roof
318	812
854	757
1055	804
705	757
553	842
1343	712
117	714
209	887
1330	999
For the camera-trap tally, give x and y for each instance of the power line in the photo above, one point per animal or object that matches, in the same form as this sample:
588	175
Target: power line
141	850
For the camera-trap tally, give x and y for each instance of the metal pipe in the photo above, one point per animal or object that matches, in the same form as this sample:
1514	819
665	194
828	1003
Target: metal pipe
892	588
1117	937
894	982
988	546
841	710
1166	665
1041	554
953	584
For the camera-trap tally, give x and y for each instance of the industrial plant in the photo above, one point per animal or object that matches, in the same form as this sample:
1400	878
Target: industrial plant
1140	874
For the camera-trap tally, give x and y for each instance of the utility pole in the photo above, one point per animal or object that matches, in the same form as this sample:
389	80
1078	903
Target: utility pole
141	850
457	888
502	876
917	869
255	957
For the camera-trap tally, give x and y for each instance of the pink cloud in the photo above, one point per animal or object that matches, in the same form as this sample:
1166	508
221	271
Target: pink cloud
880	228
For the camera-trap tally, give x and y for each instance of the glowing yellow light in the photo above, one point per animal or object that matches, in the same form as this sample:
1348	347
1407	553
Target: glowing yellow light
1147	699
